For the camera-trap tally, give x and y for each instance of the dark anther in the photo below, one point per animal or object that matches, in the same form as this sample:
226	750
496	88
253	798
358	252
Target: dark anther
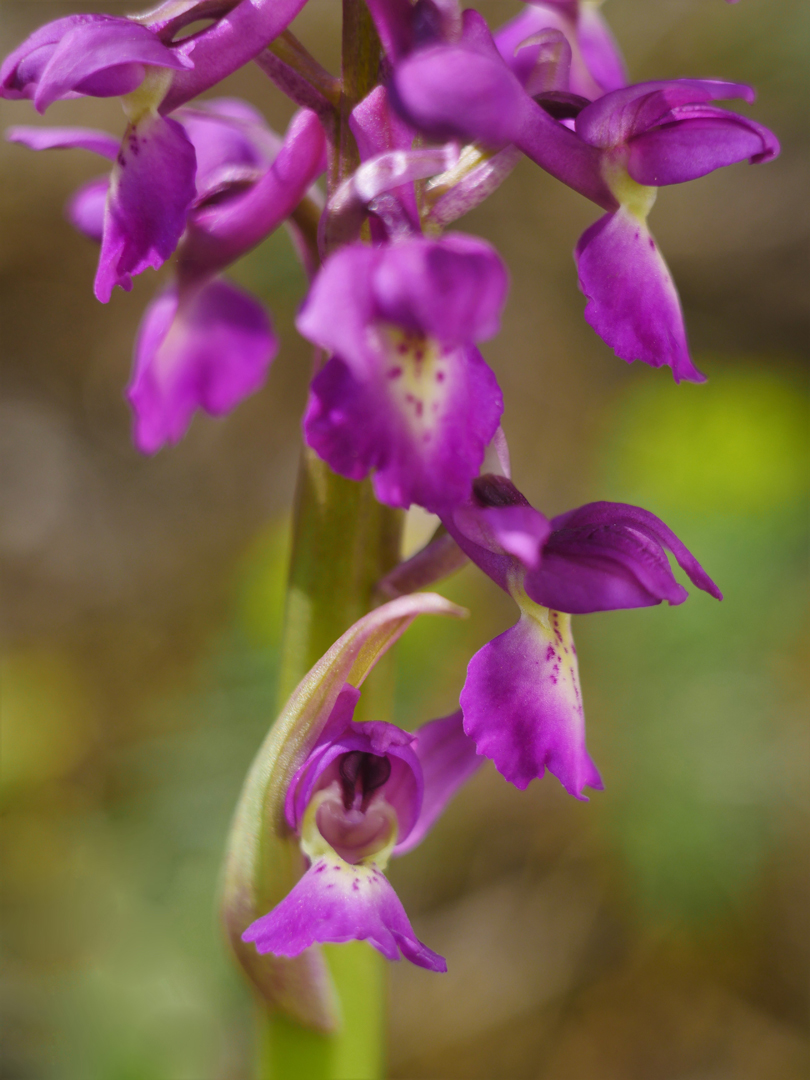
364	771
376	771
349	768
492	490
560	104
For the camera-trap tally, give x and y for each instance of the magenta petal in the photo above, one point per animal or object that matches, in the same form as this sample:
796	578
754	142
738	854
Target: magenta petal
689	148
633	304
523	707
448	758
336	902
425	450
520	531
231	141
222	233
151	189
453	289
451	91
65	138
625	113
209	352
86	206
227	45
605	538
22	69
377	128
103	59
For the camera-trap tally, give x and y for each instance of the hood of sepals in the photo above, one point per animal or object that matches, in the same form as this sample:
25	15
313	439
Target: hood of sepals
366	785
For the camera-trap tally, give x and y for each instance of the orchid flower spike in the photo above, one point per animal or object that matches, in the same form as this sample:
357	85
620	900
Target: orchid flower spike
335	799
521	701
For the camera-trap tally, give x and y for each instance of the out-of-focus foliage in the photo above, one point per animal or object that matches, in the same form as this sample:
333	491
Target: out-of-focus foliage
658	932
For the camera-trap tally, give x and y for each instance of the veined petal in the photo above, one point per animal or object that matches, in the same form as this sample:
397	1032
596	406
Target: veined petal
618	116
337	902
151	189
522	703
613	538
448	758
209	351
633	304
687	147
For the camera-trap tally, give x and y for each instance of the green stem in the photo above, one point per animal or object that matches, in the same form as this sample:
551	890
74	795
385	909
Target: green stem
344	541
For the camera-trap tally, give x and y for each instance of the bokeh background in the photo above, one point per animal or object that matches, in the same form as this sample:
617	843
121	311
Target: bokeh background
658	932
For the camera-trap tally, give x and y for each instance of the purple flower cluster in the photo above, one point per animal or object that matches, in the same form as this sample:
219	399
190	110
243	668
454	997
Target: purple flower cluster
396	309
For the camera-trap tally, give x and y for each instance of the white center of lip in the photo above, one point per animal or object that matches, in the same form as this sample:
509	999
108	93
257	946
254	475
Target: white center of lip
417	370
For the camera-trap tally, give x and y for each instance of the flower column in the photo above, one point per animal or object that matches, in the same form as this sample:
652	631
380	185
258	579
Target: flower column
344	541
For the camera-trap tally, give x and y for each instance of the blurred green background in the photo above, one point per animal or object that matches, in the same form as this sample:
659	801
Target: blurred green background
658	932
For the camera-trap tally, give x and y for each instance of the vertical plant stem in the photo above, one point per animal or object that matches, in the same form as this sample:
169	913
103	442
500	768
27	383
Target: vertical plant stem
344	541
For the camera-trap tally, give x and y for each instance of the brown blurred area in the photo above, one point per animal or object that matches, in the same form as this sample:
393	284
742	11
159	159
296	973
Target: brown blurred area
658	932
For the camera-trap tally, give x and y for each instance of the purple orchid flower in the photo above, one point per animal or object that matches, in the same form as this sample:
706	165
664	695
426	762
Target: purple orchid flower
406	393
204	343
625	144
597	64
521	701
152	185
367	791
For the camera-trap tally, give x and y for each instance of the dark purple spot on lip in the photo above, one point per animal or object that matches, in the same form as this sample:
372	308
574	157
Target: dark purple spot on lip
419	354
652	243
550	653
440	376
420	408
394	372
320	869
336	868
402	348
410	398
355	885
